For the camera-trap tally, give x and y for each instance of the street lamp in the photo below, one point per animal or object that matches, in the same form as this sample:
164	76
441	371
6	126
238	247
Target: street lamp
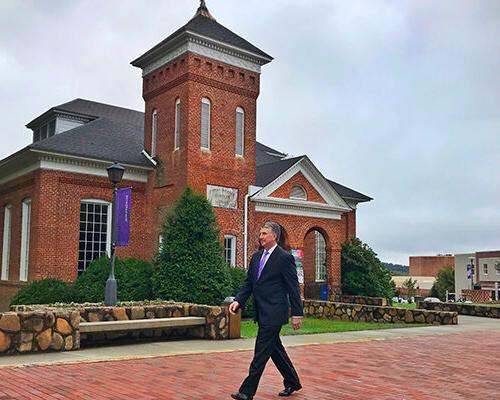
115	175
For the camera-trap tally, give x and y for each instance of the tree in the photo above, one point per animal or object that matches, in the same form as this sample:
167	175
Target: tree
445	281
362	273
409	284
190	263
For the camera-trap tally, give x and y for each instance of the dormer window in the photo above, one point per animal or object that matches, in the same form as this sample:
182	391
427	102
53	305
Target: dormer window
298	193
45	131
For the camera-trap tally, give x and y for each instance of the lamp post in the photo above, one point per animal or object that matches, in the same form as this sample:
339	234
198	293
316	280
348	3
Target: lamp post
115	175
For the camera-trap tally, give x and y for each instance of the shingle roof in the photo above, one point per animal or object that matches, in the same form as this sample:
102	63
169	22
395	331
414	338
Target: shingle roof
102	139
347	193
208	27
266	155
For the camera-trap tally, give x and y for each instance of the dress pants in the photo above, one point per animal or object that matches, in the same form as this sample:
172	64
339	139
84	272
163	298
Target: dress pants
268	345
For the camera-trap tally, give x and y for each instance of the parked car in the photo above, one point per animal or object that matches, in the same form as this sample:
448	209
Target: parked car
432	300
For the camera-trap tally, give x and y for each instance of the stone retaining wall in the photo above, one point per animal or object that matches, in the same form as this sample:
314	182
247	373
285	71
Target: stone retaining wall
372	301
33	331
37	328
368	313
462	309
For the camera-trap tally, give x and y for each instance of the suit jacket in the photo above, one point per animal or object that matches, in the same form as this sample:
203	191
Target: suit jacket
275	291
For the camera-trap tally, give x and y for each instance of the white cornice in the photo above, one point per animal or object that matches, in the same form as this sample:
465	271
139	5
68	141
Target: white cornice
210	48
299	208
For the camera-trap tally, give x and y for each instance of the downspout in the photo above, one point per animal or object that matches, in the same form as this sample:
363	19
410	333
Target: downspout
251	191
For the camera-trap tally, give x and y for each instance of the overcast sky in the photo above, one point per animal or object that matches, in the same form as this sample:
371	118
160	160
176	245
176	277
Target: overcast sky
398	99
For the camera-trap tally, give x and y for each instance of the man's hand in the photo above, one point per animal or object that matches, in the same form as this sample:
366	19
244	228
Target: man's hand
296	322
233	307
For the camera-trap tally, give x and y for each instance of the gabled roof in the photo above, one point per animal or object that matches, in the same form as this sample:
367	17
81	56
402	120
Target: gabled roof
270	166
208	27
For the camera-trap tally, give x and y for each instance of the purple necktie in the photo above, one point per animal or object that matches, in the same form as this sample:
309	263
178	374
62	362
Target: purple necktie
261	264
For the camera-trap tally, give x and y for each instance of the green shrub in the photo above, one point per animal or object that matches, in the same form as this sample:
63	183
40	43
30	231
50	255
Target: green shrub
362	273
445	281
134	280
191	267
46	291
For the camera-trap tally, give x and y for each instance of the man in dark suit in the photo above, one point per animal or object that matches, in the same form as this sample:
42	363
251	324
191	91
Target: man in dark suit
272	280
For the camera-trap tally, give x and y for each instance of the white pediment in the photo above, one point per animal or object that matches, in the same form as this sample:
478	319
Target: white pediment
333	207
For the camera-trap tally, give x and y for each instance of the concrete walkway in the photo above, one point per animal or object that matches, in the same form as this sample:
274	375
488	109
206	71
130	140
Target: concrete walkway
183	347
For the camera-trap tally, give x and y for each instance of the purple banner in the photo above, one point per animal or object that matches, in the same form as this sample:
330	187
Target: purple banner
122	216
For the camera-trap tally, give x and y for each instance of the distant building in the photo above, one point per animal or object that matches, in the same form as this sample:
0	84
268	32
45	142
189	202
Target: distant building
430	265
479	286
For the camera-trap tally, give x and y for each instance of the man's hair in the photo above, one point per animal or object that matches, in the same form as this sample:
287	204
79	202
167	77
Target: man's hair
275	228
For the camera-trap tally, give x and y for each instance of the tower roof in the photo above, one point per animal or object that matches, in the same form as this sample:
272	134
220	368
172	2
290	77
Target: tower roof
203	25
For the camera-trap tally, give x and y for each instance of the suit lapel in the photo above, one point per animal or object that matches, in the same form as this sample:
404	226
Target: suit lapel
256	264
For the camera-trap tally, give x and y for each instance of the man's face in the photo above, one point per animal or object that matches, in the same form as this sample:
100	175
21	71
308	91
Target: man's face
267	238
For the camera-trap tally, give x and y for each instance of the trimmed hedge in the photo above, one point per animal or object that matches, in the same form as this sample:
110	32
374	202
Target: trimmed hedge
46	291
133	278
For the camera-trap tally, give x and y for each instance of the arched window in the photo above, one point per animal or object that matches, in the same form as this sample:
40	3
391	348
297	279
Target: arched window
205	123
320	256
177	139
298	193
154	127
240	131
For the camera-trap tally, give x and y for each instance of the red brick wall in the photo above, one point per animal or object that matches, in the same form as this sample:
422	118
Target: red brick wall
298	179
429	265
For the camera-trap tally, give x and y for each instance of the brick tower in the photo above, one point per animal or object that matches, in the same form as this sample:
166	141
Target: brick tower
200	87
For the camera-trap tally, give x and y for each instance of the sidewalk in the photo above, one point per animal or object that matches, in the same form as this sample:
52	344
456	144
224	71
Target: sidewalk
182	347
447	363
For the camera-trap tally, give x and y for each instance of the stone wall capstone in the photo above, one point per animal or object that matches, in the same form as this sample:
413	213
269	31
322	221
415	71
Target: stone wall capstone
368	313
462	309
372	301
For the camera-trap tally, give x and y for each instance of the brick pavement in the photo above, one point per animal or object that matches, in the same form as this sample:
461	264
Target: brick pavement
450	367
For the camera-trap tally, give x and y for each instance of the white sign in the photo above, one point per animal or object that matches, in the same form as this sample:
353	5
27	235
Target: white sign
222	197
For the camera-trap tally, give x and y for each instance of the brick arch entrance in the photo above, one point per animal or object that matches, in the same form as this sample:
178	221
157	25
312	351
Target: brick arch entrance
316	255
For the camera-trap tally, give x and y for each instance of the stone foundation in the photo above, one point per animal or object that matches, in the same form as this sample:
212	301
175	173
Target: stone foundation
368	313
462	309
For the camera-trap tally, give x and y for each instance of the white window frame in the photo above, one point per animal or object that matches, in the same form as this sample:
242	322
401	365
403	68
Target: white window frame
321	270
485	269
154	131
206	101
304	197
232	261
7	231
177	130
240	111
25	240
108	223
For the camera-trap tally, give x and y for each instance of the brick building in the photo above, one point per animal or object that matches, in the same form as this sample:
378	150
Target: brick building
200	87
429	265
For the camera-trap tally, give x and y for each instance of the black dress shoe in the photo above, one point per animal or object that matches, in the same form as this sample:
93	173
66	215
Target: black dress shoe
241	396
289	390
